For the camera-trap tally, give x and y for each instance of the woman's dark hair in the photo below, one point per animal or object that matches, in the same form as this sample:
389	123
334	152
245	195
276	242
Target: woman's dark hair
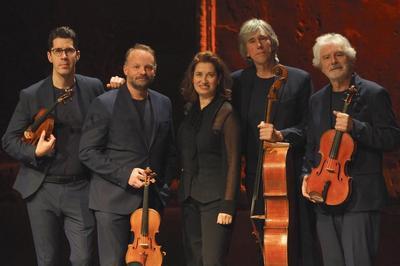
225	81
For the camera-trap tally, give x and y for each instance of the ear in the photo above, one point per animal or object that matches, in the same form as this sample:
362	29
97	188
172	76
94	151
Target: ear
125	70
49	57
78	55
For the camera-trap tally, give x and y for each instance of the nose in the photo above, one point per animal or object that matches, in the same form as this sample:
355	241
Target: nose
204	79
142	70
64	54
333	60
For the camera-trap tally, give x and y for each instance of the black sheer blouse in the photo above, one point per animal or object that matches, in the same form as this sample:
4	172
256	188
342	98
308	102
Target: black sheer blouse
209	147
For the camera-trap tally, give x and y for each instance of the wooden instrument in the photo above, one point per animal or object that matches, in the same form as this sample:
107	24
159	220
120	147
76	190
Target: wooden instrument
44	121
145	222
329	182
275	167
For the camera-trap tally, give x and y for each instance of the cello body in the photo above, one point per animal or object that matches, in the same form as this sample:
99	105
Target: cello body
280	247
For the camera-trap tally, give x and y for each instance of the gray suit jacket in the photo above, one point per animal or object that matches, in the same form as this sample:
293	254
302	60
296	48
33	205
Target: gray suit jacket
113	143
39	95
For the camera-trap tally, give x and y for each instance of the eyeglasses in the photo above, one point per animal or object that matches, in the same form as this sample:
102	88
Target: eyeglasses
60	51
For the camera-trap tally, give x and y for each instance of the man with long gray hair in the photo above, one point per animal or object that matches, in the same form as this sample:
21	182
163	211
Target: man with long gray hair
258	44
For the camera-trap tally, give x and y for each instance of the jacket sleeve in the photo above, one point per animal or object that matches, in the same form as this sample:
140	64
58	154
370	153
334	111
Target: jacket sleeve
11	141
381	132
295	134
171	168
311	145
93	144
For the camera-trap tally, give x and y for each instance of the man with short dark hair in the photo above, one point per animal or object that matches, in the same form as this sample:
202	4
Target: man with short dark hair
51	179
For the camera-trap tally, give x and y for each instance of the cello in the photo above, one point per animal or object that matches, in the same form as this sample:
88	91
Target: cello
145	222
44	121
275	168
329	182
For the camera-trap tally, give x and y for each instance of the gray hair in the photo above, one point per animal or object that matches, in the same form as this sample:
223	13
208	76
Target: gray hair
332	38
257	25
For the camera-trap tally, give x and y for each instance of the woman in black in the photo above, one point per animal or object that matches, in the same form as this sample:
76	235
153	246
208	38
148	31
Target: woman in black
209	146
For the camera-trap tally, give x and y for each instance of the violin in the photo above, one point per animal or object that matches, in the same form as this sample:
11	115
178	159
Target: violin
44	121
145	222
329	182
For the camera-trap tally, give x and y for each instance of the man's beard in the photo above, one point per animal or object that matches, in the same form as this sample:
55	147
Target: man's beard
141	86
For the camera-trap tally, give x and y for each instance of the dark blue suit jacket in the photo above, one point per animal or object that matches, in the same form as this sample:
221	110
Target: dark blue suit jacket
289	114
113	143
39	95
374	131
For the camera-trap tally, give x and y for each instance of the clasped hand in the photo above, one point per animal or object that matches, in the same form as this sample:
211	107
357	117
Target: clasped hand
138	177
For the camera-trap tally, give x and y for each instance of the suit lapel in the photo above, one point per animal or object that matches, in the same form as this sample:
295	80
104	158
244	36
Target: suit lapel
155	105
81	94
356	98
125	105
247	84
46	94
325	109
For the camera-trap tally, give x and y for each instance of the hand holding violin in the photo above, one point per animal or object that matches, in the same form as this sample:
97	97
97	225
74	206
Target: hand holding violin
344	122
138	176
304	189
45	146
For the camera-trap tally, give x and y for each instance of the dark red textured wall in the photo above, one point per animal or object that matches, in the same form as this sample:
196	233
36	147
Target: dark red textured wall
373	27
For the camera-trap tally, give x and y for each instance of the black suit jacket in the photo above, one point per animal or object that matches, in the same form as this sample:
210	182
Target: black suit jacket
374	131
288	115
113	143
40	95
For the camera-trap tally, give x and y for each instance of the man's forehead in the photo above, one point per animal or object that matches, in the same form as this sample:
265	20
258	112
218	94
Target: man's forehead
256	33
331	47
138	54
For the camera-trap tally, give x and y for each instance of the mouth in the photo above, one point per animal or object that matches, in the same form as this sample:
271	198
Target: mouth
335	68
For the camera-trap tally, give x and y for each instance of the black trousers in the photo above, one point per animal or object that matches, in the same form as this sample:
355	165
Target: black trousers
349	239
113	234
206	243
57	207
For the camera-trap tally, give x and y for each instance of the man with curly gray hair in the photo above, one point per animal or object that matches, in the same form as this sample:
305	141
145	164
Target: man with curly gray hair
349	234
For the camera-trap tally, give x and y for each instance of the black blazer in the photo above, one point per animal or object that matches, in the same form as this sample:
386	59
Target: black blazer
39	95
288	115
113	143
374	131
